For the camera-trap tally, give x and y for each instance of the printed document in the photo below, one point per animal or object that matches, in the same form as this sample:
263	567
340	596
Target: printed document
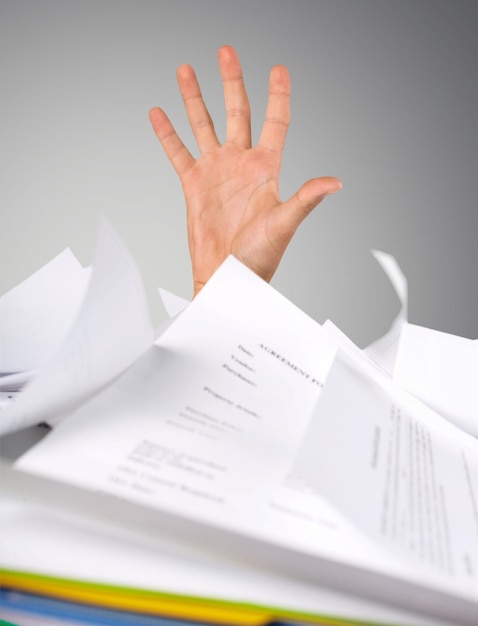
405	475
208	419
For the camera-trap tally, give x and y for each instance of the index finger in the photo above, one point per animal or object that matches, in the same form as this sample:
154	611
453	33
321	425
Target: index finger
276	123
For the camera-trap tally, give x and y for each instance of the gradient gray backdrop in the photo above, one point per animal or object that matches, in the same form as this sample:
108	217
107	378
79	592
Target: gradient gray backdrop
385	96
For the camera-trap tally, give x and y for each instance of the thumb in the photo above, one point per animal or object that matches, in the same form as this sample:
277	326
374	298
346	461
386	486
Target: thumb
292	213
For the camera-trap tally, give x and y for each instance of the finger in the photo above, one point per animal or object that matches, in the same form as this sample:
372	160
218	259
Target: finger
238	112
291	214
198	115
277	118
177	153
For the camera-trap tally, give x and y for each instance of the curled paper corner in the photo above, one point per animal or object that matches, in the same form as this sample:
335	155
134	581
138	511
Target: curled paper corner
383	350
392	269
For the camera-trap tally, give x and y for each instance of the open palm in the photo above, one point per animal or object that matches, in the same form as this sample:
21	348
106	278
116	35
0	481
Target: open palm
232	189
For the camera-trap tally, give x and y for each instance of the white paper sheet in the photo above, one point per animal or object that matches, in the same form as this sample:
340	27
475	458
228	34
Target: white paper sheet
36	315
442	370
111	330
439	368
404	474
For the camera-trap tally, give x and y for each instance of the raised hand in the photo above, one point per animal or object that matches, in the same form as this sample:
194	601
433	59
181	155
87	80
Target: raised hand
232	189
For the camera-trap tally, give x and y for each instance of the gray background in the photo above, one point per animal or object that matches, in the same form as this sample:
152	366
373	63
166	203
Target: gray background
385	96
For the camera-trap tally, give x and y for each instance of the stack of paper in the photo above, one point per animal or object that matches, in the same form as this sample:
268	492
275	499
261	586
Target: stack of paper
246	439
95	550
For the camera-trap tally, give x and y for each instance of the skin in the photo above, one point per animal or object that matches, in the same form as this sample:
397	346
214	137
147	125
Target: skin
232	189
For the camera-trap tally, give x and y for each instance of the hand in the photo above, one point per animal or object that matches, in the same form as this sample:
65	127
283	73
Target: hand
232	190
